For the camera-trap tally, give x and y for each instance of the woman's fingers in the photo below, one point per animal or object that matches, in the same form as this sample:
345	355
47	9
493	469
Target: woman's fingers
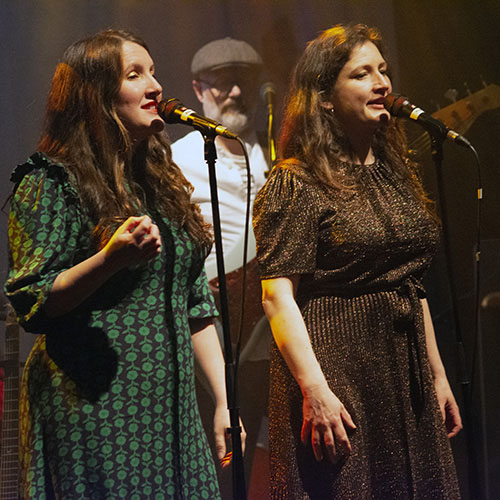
330	447
453	421
131	224
448	406
346	417
136	241
341	437
305	432
143	228
329	437
220	444
145	235
221	423
150	242
330	441
155	238
316	442
243	437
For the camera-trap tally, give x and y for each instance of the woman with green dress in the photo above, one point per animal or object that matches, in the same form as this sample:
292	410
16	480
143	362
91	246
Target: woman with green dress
106	263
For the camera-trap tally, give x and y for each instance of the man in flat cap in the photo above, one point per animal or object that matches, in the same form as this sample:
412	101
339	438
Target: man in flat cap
226	77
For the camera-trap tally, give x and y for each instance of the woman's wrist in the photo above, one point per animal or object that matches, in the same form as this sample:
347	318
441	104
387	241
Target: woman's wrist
221	403
109	260
312	386
440	380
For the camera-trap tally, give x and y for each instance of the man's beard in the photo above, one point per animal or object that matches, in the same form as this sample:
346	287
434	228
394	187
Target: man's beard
232	117
236	121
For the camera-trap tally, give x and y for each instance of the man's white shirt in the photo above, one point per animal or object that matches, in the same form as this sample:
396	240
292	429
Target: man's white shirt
188	154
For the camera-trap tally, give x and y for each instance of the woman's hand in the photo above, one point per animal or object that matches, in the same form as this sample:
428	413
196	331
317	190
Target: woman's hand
448	406
210	370
222	424
324	422
325	418
446	400
136	241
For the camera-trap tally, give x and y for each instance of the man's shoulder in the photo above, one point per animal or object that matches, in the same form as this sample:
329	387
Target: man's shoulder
188	154
187	143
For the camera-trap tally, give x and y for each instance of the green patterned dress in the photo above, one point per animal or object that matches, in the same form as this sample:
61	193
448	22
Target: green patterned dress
108	407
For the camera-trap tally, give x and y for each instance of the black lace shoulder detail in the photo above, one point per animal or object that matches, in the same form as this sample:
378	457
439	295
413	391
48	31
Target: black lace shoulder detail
54	170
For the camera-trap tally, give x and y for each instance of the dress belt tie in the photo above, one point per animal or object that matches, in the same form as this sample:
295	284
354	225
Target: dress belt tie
411	322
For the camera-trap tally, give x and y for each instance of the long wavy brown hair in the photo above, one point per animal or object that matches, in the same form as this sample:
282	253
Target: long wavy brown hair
313	137
83	131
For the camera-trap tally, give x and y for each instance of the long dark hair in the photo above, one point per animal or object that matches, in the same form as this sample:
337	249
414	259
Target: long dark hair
83	131
312	136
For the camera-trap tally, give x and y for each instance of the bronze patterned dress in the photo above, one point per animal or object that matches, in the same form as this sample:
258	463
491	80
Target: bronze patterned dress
361	255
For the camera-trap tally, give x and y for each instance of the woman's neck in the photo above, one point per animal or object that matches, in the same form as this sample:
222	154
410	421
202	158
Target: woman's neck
359	156
361	149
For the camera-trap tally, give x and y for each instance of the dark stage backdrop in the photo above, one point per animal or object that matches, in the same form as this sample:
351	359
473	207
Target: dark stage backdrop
433	46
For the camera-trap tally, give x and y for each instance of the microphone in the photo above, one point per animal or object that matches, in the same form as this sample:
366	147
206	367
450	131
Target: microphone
401	107
173	111
267	94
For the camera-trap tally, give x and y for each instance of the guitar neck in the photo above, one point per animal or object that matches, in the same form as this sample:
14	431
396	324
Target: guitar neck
9	454
460	115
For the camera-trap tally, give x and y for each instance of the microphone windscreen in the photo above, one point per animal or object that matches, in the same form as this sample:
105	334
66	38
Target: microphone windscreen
398	105
267	89
167	107
389	101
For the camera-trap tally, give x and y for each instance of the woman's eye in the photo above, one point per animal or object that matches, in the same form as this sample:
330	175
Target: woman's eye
360	76
132	75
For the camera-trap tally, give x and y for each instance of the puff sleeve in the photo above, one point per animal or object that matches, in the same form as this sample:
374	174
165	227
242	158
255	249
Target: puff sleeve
285	220
44	228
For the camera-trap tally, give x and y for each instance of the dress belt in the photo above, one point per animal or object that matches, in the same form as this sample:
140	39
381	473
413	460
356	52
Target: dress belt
408	321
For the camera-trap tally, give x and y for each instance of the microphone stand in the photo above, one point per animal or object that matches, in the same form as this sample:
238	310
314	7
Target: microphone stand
478	490
239	489
271	146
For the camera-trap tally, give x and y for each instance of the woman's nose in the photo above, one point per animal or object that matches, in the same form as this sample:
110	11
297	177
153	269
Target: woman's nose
382	82
155	86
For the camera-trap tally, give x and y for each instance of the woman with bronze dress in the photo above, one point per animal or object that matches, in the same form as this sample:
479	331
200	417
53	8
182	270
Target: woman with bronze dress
360	405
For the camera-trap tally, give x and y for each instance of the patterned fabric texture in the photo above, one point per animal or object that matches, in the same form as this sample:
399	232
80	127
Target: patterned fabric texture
360	255
108	408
